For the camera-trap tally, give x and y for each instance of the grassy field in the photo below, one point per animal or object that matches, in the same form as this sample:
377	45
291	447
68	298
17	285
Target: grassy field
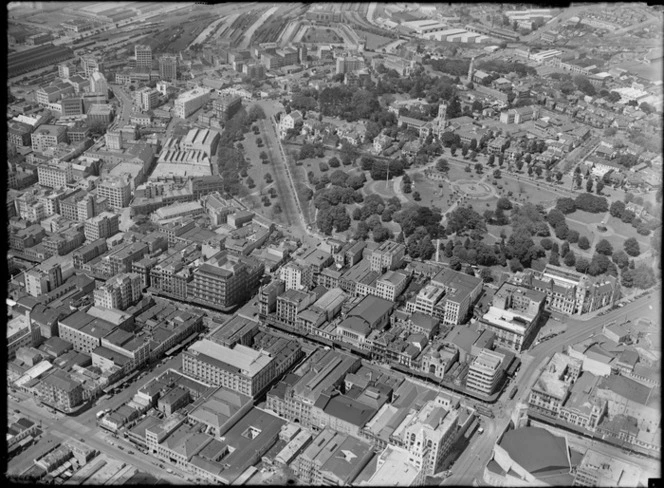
619	227
374	41
586	217
316	34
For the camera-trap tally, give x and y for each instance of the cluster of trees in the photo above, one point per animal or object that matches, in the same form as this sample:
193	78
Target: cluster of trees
231	162
584	85
641	276
380	169
331	202
505	67
370	216
474	252
454	67
619	210
418	85
315	150
465	219
351	105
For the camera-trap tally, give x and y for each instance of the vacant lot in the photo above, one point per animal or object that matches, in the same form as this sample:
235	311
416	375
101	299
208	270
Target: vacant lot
374	41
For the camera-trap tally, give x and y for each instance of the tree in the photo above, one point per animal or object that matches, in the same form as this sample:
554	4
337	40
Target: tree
564	249
570	259
644	276
478	168
599	187
561	230
334	162
554	259
515	265
546	243
357	214
620	258
455	263
582	265
578	181
496	173
584	243
589	185
632	247
617	209
566	205
604	247
381	234
486	275
268	178
442	165
263	155
464	150
504	203
416	196
559	176
250	182
519	164
491	160
530	170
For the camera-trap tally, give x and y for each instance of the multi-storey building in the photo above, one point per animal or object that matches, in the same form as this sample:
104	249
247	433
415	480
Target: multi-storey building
72	106
120	292
391	285
100	113
98	84
513	315
48	135
188	102
267	297
59	390
288	122
116	190
460	292
389	255
296	276
120	259
486	372
104	225
89	65
55	175
146	98
226	280
143	54
349	64
43	278
430	433
241	368
19	134
84	331
551	389
291	303
168	67
227	106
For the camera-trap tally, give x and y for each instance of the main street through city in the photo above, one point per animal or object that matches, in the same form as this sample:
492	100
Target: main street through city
470	465
84	426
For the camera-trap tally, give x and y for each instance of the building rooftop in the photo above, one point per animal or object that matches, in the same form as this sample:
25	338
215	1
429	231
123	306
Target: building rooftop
246	360
526	445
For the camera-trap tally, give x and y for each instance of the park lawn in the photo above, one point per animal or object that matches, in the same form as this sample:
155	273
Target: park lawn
586	217
583	230
433	195
524	192
627	231
374	41
482	204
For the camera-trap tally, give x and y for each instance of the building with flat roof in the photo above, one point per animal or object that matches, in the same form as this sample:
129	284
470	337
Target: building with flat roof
59	390
48	135
143	54
84	331
389	255
393	468
551	389
598	469
449	296
190	101
119	292
513	315
116	190
486	372
168	67
241	368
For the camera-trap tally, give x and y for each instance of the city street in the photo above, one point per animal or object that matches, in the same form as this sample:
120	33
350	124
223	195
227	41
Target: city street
84	426
472	462
124	99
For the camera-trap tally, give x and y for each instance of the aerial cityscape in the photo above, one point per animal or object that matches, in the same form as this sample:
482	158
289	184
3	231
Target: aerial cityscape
342	244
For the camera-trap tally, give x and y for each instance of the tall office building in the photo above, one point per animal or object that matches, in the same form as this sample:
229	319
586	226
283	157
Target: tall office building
98	83
168	67
90	64
143	56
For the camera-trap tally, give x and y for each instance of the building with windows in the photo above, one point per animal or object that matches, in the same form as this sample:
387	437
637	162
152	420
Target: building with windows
98	83
570	292
289	121
146	98
551	389
598	469
143	54
190	101
100	113
227	106
225	281
119	292
389	255
44	277
59	390
240	368
168	67
54	175
391	285
348	64
104	225
430	433
291	303
84	331
486	372
449	296
116	190
90	64
513	315
48	135
296	276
